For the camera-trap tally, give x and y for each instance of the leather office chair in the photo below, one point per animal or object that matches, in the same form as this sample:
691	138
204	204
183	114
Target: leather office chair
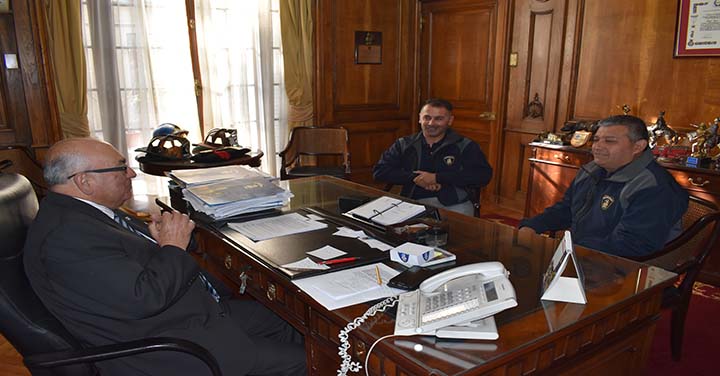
308	149
474	194
686	255
47	347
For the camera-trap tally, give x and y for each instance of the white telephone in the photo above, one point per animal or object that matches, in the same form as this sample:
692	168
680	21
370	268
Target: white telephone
457	296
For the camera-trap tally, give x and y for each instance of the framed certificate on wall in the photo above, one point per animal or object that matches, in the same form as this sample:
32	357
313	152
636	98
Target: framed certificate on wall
698	28
4	6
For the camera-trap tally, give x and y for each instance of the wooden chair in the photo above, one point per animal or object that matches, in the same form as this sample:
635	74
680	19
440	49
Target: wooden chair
474	193
686	255
313	151
47	347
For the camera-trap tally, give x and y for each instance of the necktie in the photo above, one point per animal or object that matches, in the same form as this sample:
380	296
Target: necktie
119	219
208	286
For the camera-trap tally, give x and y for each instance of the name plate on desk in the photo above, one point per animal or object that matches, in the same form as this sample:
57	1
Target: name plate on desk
692	161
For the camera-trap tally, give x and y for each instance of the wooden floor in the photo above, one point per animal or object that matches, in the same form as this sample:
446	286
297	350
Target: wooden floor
11	362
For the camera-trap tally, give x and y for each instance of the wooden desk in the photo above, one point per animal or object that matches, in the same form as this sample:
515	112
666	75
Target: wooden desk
611	334
158	168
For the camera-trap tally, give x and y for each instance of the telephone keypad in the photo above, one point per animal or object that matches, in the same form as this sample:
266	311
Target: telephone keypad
423	314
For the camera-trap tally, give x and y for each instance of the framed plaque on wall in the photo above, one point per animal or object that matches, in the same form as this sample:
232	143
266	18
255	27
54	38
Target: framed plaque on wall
698	28
368	47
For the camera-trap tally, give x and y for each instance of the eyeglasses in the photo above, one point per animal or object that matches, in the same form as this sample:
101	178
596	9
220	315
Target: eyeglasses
102	170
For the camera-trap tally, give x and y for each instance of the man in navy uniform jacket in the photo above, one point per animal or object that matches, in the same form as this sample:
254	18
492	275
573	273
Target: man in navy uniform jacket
436	166
622	202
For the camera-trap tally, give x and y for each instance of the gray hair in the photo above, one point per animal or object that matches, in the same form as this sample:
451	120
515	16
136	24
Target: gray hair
637	130
57	169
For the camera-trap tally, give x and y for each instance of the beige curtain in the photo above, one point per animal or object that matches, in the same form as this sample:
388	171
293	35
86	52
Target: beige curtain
64	27
296	26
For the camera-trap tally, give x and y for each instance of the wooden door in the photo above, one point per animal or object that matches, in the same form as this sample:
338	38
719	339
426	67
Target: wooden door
533	85
460	59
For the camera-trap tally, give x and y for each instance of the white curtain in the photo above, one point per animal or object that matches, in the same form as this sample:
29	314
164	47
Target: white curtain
140	73
241	68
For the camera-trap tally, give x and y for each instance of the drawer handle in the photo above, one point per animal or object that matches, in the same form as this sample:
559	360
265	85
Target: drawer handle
243	277
228	262
271	292
562	157
700	183
360	350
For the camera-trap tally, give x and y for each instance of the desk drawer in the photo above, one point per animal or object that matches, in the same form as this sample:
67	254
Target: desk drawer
697	181
235	266
564	157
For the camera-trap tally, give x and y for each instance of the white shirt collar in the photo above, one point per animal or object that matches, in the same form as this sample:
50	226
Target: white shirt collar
107	211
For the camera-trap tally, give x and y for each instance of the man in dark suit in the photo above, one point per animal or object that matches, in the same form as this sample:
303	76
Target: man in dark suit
107	283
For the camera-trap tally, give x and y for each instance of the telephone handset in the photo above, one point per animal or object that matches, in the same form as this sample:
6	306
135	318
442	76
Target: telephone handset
455	296
488	269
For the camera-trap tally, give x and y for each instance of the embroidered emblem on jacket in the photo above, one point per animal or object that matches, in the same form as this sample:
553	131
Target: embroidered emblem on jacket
606	202
449	160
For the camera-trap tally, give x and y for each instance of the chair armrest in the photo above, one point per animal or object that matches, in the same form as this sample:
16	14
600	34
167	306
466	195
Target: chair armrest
120	350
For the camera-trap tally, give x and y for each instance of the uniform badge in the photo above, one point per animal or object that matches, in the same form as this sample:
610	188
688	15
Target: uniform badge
449	160
606	202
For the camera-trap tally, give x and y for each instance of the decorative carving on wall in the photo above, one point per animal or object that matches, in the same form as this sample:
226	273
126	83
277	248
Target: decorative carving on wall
535	108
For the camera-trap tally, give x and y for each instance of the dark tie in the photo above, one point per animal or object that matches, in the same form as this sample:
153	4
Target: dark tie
119	219
208	286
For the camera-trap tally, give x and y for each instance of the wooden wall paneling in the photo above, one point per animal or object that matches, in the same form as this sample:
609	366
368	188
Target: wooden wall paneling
537	39
28	111
373	101
42	113
369	140
14	126
462	52
622	53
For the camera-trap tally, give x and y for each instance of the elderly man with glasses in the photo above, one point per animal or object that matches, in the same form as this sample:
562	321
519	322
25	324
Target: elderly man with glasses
108	283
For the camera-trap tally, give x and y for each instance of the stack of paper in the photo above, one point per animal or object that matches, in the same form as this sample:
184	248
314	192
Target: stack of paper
350	286
223	192
272	227
199	176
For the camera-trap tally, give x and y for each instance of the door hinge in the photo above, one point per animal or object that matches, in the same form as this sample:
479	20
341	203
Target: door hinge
198	88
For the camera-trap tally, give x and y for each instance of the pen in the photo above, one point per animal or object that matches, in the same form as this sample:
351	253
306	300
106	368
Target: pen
377	273
339	261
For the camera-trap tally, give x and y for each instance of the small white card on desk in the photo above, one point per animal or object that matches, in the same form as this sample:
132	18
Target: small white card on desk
349	233
315	217
374	243
327	252
558	288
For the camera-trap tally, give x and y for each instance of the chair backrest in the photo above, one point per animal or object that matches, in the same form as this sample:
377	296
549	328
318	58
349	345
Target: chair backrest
24	320
687	253
316	142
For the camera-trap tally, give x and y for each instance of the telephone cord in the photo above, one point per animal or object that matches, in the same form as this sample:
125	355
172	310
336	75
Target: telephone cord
367	373
347	363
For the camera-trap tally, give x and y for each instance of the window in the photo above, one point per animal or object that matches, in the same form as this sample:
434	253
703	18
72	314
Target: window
149	79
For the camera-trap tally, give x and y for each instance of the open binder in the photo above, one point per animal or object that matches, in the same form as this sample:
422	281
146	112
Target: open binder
386	211
558	287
